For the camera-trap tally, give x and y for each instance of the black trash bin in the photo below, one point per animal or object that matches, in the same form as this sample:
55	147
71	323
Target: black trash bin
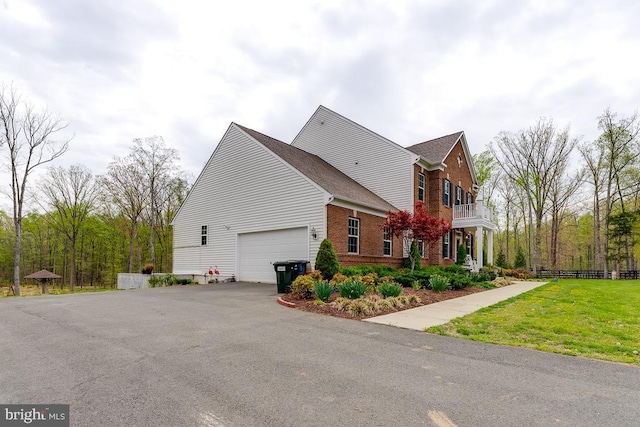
283	276
286	273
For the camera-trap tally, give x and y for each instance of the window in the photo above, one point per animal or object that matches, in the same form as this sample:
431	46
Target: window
386	239
354	235
421	187
469	198
470	244
458	195
445	246
446	192
203	235
421	248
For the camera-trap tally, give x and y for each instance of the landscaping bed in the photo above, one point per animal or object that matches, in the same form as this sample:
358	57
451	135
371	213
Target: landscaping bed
331	308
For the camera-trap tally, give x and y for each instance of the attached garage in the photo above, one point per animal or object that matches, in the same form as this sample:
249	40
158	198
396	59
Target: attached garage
257	252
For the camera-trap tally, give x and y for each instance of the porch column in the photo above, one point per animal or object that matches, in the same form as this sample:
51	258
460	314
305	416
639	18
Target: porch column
490	247
479	238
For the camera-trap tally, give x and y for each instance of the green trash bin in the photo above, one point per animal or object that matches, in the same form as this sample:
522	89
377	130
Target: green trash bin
284	276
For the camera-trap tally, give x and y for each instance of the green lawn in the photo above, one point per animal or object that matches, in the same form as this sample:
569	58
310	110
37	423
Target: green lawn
599	319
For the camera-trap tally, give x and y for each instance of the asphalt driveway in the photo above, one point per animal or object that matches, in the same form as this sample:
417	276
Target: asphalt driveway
228	355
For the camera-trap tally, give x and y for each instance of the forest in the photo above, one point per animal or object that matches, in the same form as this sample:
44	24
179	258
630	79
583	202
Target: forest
563	203
86	228
560	202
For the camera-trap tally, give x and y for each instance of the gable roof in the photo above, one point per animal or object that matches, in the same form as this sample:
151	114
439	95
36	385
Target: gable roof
320	172
436	150
322	109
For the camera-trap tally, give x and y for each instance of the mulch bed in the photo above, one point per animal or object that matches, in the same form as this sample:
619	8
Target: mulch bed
426	297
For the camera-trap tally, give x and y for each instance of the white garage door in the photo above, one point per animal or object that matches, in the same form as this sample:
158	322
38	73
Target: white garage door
258	251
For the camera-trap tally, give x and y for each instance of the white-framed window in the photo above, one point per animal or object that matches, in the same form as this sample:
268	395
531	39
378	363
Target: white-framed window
203	235
458	195
469	198
421	187
446	192
354	236
421	248
386	241
446	244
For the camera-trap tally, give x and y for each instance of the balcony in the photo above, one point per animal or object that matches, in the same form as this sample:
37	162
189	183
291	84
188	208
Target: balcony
473	215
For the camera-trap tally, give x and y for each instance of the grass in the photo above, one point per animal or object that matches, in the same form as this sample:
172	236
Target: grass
36	290
599	319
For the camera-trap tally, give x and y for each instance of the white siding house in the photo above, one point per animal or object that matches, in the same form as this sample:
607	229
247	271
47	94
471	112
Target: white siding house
245	190
377	163
259	200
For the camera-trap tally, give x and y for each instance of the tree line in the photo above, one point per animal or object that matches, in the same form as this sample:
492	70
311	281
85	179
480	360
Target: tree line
565	203
85	227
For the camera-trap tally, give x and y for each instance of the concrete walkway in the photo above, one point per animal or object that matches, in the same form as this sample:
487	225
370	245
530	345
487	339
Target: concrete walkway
442	312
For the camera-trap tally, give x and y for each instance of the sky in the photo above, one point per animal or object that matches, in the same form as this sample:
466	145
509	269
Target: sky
408	70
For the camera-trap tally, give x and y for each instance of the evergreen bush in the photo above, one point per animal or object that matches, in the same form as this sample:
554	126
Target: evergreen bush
462	255
521	261
327	260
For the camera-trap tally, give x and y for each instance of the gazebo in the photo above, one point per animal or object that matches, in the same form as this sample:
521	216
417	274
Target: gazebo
43	276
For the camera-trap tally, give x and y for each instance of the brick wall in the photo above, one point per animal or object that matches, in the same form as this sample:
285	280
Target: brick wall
459	175
371	238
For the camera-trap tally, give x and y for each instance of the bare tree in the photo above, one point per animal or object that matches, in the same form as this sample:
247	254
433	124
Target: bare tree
488	173
618	146
157	162
595	168
127	188
72	195
534	159
27	143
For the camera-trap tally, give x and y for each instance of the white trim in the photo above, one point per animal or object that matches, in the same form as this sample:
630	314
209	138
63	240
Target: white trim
357	236
360	208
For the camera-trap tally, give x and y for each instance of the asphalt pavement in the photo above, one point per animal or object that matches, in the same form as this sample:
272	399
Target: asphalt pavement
228	355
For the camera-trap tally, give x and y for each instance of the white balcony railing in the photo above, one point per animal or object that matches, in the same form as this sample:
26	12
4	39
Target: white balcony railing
476	210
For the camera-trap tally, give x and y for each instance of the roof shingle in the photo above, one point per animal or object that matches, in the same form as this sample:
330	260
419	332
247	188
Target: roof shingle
322	173
435	151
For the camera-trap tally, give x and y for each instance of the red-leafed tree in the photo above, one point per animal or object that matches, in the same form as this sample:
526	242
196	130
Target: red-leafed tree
412	227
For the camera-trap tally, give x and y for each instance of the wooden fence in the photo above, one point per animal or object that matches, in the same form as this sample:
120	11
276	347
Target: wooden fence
585	274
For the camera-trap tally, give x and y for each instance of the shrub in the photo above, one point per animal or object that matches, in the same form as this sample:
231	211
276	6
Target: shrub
438	283
155	281
395	302
370	279
501	261
338	279
388	289
323	290
318	302
303	286
352	289
342	303
490	271
462	255
415	254
183	281
416	285
520	262
362	270
327	260
460	281
453	269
